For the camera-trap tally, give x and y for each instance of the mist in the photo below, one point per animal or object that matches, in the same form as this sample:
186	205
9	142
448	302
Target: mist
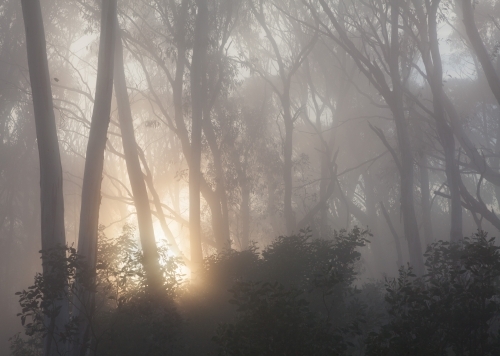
249	177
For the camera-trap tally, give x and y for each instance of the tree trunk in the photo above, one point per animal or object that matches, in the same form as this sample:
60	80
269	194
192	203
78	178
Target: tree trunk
394	99
51	177
223	238
435	77
425	198
288	163
407	199
479	49
140	194
271	205
84	301
496	162
377	240
395	236
148	177
177	88
198	97
245	215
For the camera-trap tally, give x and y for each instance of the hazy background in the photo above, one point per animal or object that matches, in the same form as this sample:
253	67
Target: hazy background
261	53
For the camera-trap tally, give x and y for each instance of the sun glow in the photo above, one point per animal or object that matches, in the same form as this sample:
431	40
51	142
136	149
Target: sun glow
162	242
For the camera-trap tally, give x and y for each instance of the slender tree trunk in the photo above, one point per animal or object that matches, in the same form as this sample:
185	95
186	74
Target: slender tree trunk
444	131
323	185
394	98
223	239
496	162
198	96
479	48
271	205
407	185
210	196
139	191
377	248
148	177
425	198
288	163
395	236
84	301
51	177
244	183
245	216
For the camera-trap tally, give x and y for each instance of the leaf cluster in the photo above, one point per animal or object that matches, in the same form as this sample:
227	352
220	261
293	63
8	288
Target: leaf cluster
285	301
453	308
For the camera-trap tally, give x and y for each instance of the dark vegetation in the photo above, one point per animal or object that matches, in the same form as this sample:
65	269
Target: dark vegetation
299	296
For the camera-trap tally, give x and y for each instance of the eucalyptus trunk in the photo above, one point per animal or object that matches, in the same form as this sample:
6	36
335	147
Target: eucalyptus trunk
51	177
407	167
198	97
444	131
136	177
288	162
84	301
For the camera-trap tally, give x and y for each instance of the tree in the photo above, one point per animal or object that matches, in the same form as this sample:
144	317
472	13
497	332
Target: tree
392	92
84	302
51	180
287	68
198	97
140	194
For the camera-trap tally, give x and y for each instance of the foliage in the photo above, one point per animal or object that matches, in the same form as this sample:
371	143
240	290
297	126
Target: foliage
120	272
296	298
26	347
453	308
222	269
143	325
44	299
126	319
276	315
274	320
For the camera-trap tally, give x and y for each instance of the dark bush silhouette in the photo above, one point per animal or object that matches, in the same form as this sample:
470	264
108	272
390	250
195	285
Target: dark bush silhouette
453	308
297	297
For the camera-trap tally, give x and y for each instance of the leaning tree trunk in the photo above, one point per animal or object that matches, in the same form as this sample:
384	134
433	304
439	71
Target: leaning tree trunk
136	177
51	177
480	50
91	190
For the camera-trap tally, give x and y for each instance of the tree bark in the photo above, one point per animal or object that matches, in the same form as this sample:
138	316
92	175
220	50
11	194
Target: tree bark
51	177
140	194
84	303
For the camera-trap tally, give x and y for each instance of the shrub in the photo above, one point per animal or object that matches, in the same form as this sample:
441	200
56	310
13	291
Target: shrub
297	305
274	320
453	308
127	320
